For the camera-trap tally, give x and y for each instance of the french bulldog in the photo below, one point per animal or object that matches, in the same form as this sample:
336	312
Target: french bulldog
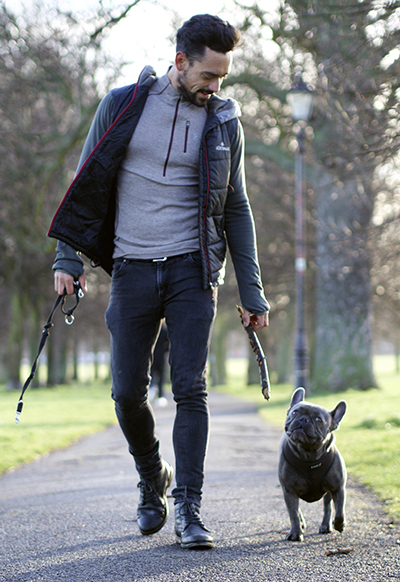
310	465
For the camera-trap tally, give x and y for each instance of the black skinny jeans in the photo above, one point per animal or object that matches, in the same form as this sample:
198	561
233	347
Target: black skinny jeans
142	293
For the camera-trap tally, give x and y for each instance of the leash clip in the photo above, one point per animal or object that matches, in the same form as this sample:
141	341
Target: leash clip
69	318
78	290
18	411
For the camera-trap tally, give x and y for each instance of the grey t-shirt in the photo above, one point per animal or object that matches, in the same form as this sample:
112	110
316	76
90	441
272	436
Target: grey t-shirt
157	200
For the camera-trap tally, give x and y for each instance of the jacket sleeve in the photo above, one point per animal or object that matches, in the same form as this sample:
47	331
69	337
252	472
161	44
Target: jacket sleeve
101	122
67	259
240	230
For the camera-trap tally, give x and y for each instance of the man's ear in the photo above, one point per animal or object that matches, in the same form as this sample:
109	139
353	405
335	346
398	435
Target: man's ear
181	61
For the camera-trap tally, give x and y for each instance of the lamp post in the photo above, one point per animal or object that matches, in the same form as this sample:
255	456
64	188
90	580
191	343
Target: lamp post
301	101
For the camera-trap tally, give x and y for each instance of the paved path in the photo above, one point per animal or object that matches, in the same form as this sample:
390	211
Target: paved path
71	516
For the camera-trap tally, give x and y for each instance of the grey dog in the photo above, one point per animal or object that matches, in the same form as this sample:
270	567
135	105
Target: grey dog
310	465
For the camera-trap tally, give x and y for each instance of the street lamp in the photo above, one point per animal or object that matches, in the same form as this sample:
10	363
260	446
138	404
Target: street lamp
301	101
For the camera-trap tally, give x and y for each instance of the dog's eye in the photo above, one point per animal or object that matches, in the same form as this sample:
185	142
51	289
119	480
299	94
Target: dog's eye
318	419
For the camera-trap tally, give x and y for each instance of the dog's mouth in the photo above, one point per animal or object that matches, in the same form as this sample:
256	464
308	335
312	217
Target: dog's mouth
300	435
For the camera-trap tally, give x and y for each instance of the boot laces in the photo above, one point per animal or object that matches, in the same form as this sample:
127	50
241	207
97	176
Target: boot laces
148	493
191	515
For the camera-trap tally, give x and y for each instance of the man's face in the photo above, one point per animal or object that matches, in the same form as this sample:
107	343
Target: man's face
199	80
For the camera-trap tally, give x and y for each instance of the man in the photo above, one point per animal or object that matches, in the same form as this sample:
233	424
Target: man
159	190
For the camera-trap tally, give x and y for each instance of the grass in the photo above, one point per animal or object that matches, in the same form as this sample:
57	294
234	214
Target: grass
51	419
368	436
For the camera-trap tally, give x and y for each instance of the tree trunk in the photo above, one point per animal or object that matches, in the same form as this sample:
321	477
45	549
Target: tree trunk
57	353
218	350
14	342
35	336
343	354
75	356
96	364
284	356
253	374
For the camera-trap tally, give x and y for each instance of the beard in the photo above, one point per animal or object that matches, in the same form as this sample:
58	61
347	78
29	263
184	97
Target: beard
194	97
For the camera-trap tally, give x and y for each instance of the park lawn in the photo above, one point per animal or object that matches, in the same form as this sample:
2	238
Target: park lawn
369	433
368	438
52	418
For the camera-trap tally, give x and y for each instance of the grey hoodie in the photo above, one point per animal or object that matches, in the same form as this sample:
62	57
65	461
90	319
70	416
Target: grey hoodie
158	179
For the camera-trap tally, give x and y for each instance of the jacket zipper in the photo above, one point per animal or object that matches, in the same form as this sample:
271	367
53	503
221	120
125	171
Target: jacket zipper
186	137
205	217
172	137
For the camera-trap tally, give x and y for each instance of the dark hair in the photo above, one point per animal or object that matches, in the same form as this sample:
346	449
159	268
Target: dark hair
205	30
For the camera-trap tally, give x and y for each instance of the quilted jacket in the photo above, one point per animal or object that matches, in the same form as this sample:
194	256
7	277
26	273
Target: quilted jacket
84	220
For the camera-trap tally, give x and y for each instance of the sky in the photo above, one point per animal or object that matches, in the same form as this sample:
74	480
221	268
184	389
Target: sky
142	37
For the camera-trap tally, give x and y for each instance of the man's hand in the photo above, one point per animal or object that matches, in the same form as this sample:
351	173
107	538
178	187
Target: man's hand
257	321
64	281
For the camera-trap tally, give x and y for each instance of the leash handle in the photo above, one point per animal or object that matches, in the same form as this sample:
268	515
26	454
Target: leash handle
69	320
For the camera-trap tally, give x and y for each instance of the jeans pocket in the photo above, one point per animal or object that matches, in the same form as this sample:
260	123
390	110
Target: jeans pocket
118	267
194	258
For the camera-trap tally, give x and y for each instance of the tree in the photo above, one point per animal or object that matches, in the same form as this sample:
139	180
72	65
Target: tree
349	52
50	90
385	272
255	82
355	132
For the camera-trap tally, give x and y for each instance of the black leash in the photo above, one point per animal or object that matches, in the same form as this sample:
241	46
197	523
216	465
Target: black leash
69	320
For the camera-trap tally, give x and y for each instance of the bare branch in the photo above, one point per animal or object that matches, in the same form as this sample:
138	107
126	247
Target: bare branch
112	21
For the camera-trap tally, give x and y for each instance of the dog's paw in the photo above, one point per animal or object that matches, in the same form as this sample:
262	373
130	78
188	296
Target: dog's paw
295	537
324	528
339	523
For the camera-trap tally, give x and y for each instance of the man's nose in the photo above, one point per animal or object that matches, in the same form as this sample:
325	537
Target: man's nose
215	85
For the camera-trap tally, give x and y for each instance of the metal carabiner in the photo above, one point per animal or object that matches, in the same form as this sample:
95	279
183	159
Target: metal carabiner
69	318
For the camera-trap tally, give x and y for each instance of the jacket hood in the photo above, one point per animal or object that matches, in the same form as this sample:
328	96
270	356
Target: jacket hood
147	76
224	109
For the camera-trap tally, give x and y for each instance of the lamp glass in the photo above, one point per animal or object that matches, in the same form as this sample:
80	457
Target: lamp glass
301	104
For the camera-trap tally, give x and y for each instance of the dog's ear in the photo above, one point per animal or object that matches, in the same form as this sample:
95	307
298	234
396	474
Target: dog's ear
298	396
337	414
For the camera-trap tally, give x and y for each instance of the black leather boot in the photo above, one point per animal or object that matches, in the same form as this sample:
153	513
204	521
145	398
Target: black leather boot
190	531
152	510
